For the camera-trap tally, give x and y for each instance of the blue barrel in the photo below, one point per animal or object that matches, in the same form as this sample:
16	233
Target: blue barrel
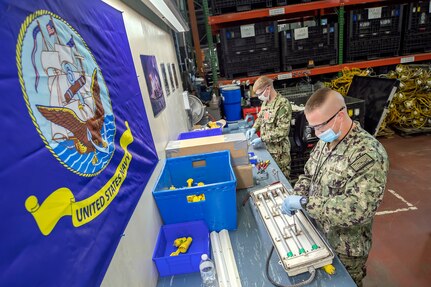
231	102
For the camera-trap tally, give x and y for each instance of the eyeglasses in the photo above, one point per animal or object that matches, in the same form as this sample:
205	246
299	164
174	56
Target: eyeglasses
320	126
263	91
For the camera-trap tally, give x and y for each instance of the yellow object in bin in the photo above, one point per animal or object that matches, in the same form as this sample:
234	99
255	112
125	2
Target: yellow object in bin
185	246
172	187
175	253
196	198
189	182
212	125
179	241
201	183
330	269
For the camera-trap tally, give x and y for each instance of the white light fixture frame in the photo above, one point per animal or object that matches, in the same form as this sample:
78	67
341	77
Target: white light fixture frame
227	271
169	13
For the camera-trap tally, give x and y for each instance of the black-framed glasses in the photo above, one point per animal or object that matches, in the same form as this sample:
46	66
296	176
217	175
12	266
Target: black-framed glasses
319	126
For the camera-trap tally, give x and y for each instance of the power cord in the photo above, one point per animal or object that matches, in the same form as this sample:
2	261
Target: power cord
411	105
303	283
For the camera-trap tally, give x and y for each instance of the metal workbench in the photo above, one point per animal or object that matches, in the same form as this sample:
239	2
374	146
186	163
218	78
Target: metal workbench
251	245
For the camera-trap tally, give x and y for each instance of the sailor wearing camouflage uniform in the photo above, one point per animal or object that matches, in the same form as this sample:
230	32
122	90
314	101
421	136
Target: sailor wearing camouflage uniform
273	122
343	182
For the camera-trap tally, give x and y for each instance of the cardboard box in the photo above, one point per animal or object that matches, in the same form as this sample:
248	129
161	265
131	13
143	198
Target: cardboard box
235	143
244	176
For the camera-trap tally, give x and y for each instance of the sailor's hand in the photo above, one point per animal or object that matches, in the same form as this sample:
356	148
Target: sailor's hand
249	133
257	143
291	204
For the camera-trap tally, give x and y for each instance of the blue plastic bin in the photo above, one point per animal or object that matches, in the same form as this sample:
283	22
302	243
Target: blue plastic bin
218	209
231	102
200	134
185	262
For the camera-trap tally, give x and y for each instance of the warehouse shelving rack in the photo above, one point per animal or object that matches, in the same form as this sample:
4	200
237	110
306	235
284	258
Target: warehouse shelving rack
219	21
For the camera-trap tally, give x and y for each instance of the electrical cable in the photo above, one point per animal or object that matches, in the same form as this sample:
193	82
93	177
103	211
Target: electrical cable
411	106
303	283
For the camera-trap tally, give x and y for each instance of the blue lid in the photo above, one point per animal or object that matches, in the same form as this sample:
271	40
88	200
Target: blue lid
271	29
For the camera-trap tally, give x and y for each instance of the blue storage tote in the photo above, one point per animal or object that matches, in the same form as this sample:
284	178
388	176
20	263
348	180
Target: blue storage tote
184	262
215	202
200	134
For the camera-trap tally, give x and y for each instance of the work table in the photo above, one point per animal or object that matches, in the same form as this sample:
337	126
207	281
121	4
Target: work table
251	246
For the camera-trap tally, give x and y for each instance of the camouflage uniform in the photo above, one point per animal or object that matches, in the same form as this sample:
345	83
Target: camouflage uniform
345	188
273	121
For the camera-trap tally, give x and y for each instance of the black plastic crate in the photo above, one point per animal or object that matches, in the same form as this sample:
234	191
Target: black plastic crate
249	50
280	2
251	64
238	38
229	6
371	35
297	163
308	44
417	28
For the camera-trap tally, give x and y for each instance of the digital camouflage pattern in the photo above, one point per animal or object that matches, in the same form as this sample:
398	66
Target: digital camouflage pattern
355	266
345	187
273	121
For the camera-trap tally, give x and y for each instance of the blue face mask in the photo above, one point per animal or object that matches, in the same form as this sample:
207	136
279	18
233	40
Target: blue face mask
329	135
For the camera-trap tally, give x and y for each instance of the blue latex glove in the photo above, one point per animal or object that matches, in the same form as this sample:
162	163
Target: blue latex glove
257	143
249	133
290	204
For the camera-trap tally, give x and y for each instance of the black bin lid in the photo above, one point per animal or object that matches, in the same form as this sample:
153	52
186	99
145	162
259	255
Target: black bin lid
377	94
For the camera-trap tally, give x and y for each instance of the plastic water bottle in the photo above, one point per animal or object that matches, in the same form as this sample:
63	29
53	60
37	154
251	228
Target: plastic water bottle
208	272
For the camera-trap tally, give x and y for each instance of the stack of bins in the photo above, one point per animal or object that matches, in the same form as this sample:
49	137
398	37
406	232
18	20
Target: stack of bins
417	29
373	32
308	43
249	50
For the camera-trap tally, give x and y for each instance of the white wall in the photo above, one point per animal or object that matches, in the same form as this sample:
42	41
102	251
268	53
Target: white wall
132	264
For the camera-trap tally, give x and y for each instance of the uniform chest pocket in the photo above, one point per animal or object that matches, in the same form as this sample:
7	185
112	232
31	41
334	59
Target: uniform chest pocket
269	117
336	183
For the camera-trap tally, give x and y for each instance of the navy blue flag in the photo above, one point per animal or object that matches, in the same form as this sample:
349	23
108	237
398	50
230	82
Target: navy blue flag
76	146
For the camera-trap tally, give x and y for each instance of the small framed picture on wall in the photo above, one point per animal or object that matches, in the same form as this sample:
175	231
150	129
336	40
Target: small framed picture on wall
165	79
174	71
154	85
171	78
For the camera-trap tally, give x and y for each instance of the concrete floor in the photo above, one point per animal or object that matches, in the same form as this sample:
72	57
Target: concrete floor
401	252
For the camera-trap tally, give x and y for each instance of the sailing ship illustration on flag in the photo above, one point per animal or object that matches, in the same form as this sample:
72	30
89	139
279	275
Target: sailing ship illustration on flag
66	95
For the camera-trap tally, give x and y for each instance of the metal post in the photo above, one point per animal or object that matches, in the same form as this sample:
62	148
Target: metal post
210	42
340	36
195	34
